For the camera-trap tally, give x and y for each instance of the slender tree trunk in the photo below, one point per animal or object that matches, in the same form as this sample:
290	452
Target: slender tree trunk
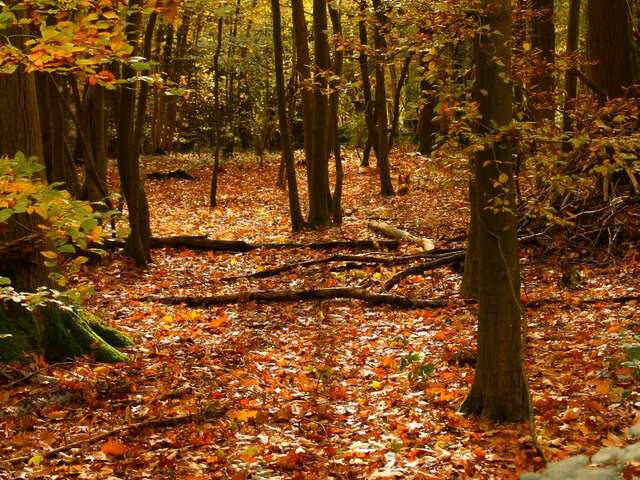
369	116
543	40
338	58
318	198
297	222
395	119
610	45
303	66
176	69
571	78
382	155
216	116
143	94
138	242
427	128
499	390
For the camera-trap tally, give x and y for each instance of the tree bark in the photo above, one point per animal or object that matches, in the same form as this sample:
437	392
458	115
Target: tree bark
318	193
610	45
303	66
571	77
138	246
297	222
334	102
543	42
382	155
216	116
499	390
20	131
369	115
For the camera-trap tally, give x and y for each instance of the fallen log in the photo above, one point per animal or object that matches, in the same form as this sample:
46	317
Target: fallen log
423	267
393	232
178	174
297	295
356	261
205	243
265	296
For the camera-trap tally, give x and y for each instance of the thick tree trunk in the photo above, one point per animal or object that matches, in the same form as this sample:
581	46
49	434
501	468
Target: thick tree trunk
297	222
53	126
94	117
499	390
137	246
469	286
20	131
318	197
543	41
58	334
610	45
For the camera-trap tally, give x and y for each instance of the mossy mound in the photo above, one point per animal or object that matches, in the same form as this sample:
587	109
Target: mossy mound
58	333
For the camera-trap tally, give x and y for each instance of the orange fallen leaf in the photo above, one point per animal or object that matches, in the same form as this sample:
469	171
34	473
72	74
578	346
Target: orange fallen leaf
114	448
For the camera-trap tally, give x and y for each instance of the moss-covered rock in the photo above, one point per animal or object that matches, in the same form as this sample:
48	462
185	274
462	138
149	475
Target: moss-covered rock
58	333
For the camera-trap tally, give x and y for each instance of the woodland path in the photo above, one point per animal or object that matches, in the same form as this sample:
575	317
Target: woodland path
322	389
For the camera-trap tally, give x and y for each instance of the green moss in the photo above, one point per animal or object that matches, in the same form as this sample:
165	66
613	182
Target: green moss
58	333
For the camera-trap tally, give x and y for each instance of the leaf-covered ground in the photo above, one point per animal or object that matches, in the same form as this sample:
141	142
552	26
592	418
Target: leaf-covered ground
331	389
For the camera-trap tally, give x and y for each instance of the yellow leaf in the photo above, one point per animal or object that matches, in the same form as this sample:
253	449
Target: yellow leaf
49	254
503	178
376	384
242	415
526	46
36	460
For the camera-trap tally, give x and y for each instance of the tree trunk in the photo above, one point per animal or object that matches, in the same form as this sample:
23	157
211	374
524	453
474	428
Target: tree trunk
610	45
175	71
571	78
216	116
395	119
318	198
58	333
469	287
53	126
137	246
499	390
382	155
303	66
369	115
95	119
543	40
334	100
297	223
20	131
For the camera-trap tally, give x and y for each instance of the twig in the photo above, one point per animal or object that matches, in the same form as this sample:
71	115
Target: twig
209	413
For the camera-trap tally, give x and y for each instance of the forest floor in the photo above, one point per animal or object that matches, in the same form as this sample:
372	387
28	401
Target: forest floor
319	389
